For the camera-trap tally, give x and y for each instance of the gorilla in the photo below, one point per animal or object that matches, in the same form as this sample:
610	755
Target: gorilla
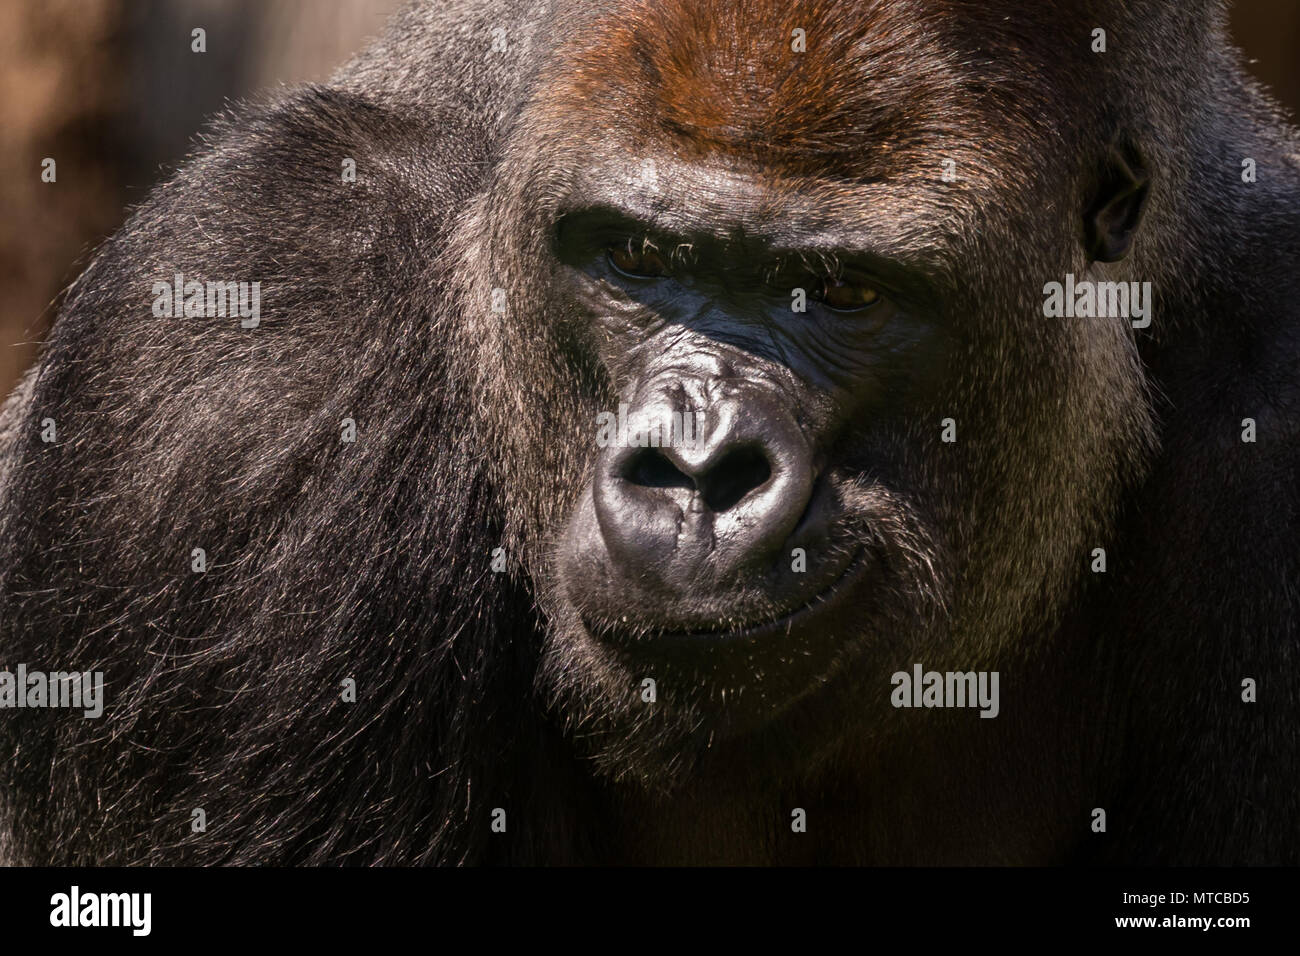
647	410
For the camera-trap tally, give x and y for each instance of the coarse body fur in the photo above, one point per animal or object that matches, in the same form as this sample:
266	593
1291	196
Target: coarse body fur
372	560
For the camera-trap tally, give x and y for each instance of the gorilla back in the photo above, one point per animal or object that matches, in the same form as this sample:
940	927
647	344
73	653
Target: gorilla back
742	431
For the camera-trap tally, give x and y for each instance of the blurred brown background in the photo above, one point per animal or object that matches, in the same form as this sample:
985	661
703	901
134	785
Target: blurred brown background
111	91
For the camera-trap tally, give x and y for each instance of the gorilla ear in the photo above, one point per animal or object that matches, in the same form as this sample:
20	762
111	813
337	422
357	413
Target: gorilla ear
1116	209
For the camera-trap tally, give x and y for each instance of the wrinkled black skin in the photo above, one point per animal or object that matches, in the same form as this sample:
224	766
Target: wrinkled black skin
479	690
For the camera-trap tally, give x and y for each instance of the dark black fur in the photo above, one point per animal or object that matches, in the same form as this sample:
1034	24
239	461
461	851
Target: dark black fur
477	690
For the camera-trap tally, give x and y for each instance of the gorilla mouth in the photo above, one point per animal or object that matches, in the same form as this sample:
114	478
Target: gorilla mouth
805	614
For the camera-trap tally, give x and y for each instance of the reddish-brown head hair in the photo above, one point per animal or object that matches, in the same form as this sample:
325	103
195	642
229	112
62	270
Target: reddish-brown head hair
786	82
836	86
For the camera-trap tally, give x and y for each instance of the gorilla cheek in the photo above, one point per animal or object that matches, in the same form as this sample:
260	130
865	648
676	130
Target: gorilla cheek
582	565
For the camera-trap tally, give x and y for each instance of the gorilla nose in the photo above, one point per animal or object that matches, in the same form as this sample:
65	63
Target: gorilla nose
692	497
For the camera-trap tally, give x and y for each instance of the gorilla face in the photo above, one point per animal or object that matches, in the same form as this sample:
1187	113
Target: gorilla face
739	524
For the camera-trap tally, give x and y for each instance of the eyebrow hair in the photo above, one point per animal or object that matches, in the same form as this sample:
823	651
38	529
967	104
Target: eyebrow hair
819	262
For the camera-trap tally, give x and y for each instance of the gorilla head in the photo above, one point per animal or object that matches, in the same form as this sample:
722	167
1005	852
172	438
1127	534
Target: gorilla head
761	242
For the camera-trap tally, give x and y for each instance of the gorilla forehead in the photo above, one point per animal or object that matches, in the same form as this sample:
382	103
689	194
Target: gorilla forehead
805	86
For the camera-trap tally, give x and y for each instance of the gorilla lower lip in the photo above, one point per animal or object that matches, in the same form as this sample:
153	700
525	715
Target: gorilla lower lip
785	623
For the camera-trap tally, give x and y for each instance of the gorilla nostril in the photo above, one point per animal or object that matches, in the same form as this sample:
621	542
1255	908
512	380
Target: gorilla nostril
739	472
722	485
652	469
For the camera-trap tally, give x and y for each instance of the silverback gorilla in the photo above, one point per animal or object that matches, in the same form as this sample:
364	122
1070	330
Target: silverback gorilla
369	580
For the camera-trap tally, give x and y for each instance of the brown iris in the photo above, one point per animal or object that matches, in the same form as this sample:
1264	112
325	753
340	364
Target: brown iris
847	295
643	262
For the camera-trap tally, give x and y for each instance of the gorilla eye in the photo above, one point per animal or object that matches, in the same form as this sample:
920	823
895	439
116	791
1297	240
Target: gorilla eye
643	263
846	295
